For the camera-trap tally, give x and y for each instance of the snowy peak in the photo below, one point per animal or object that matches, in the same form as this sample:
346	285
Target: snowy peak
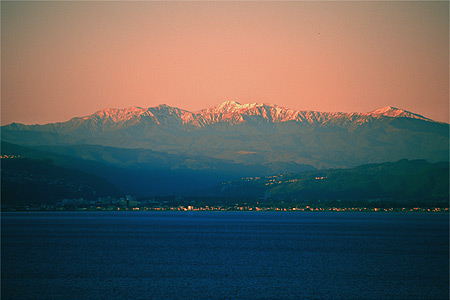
233	106
234	112
227	105
121	115
117	114
386	109
389	111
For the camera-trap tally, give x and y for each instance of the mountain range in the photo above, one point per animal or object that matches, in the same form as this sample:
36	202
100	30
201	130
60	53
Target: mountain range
231	140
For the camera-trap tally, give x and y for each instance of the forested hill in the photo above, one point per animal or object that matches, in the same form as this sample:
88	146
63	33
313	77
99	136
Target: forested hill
402	180
30	181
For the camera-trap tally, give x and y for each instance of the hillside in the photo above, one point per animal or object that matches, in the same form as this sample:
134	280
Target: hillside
30	175
29	181
404	181
143	172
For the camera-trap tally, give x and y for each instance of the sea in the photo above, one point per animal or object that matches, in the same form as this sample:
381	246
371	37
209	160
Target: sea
224	255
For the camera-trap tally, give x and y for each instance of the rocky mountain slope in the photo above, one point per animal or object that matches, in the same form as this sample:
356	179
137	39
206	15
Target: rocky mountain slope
251	134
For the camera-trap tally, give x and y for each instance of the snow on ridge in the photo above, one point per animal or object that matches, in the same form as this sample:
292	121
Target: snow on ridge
120	114
234	112
389	111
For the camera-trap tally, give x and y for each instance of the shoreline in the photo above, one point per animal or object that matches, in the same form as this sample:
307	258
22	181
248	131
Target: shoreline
232	209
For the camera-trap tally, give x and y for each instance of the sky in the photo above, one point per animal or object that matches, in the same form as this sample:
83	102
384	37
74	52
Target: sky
66	59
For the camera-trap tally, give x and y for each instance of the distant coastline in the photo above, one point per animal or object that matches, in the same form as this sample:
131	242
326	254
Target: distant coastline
230	209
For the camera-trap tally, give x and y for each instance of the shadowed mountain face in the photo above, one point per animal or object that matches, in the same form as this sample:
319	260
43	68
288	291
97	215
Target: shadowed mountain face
26	181
249	134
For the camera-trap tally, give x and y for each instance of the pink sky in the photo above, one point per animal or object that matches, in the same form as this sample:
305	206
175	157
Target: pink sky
67	59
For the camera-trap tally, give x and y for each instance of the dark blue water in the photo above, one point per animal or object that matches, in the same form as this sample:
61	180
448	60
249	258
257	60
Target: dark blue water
224	255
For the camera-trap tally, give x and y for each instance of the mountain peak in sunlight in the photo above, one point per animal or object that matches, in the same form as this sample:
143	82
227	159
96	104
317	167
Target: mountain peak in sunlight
390	111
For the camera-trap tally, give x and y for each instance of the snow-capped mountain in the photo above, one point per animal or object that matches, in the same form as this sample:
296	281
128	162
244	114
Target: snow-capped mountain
229	112
252	133
235	112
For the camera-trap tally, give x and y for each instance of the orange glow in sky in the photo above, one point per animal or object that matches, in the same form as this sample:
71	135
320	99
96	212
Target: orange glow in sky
67	59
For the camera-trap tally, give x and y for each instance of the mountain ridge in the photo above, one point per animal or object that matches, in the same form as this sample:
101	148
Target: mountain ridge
251	134
228	111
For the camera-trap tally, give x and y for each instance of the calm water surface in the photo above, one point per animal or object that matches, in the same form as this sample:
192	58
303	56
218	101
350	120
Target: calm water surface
224	255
